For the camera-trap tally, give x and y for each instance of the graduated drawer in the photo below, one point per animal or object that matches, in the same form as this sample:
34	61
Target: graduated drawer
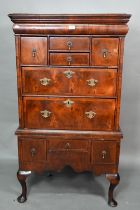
70	43
69	113
69	81
105	152
69	59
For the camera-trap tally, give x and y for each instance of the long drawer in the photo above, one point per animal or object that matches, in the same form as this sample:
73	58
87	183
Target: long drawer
69	81
69	113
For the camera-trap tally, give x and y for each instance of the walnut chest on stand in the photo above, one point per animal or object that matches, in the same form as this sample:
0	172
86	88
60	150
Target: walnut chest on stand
69	73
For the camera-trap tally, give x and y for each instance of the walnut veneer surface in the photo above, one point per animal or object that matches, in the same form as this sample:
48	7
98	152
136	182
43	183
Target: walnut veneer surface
69	72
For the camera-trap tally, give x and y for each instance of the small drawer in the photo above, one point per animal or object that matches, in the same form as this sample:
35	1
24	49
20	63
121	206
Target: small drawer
74	153
68	145
33	50
105	51
32	150
69	43
69	59
105	152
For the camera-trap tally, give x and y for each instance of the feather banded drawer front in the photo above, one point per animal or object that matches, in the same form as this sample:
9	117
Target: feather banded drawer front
69	70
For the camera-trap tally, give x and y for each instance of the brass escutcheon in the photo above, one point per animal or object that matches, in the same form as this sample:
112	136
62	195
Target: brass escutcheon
68	103
69	73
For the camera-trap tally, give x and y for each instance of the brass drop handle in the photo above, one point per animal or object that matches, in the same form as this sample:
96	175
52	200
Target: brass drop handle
69	44
69	60
34	52
67	146
104	154
90	114
45	113
45	81
33	152
105	53
68	73
92	82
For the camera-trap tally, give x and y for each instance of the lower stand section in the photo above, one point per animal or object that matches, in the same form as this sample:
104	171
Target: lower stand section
114	181
22	175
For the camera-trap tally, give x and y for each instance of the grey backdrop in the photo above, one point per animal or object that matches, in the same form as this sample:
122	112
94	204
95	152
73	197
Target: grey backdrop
130	107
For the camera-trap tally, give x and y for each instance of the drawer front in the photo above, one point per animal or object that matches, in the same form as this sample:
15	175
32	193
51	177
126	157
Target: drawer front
69	81
74	153
34	50
105	152
69	59
68	145
69	113
69	43
32	150
105	51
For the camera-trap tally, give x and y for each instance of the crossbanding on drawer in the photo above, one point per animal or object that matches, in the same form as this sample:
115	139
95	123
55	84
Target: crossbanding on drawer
69	59
69	81
33	50
69	113
69	43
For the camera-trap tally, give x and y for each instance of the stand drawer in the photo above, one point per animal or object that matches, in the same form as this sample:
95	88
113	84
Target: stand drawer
32	150
105	152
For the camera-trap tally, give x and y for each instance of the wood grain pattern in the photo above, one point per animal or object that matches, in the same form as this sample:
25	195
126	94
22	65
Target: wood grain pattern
69	152
105	152
69	43
71	18
69	75
73	117
105	51
32	150
28	45
76	59
77	84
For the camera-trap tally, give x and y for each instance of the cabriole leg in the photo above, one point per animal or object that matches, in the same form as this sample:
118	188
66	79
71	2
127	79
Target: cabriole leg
114	181
22	175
